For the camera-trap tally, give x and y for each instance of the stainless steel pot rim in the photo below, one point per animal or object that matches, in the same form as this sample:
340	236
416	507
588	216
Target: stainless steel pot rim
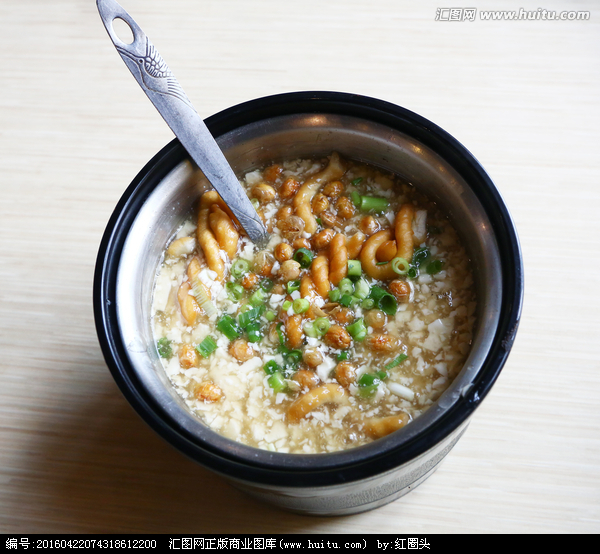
349	465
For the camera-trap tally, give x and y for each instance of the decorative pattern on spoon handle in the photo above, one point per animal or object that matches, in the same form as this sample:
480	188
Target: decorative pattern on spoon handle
155	73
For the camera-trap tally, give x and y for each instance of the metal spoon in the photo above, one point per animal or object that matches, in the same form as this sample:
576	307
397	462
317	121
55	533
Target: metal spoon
165	92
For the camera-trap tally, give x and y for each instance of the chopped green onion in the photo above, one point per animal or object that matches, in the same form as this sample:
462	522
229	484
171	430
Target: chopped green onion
356	198
357	330
255	203
277	382
291	361
354	268
247	317
361	289
319	222
400	266
356	181
346	286
258	297
300	305
388	304
317	328
343	355
293	357
368	391
293	285
419	256
270	315
377	292
267	285
434	267
271	367
368	383
229	327
412	273
235	291
367	379
373	204
367	304
335	295
396	361
280	334
347	300
206	347
309	330
286	305
321	325
163	346
254	334
384	300
304	257
239	267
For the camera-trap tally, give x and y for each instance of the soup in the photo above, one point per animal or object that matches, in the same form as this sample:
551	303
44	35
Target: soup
350	323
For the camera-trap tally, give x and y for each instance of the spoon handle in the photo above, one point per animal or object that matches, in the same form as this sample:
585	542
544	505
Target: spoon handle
165	92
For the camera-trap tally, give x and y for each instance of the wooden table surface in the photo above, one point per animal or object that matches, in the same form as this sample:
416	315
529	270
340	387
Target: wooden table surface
75	129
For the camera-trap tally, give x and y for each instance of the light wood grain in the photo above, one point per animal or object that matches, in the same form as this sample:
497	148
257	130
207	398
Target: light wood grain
74	131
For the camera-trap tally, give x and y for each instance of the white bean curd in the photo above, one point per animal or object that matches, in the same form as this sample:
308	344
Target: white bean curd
351	322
